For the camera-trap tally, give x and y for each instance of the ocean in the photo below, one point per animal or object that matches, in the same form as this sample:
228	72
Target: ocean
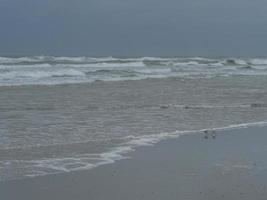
43	70
63	114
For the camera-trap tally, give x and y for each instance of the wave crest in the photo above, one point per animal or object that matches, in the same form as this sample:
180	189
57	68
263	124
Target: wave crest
113	69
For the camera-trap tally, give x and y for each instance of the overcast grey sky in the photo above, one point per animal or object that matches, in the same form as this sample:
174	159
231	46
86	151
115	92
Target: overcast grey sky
133	27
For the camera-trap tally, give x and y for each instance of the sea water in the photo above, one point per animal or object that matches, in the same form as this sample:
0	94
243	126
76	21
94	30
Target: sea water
61	114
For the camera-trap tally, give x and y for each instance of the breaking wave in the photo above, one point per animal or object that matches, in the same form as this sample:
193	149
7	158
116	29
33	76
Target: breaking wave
19	71
41	74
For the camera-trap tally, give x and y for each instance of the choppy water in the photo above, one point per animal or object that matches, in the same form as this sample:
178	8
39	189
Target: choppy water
49	127
59	70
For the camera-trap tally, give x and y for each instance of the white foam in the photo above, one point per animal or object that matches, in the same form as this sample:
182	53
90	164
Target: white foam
214	106
16	60
229	166
155	71
19	67
71	59
240	62
89	161
194	63
115	65
260	67
41	74
19	71
258	61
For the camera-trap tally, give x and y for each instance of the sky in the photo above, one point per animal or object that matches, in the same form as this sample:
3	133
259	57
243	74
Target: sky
133	27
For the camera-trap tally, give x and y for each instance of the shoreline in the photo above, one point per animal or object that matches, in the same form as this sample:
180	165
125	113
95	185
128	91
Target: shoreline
56	129
231	165
121	152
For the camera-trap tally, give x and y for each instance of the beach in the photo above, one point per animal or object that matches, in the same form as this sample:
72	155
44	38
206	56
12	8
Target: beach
133	100
132	128
50	129
228	165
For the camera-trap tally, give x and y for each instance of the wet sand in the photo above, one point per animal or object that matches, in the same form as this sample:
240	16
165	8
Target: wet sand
228	165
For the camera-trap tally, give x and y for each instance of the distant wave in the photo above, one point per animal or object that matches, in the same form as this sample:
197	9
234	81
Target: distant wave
144	60
41	74
252	105
50	70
